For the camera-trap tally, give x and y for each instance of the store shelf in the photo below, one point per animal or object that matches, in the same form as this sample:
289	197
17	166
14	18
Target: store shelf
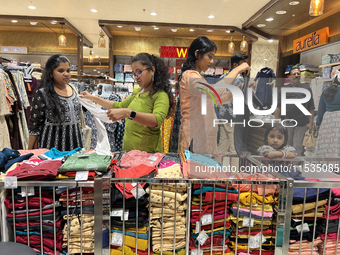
311	69
331	64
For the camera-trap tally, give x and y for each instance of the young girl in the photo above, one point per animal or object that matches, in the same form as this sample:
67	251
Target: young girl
275	140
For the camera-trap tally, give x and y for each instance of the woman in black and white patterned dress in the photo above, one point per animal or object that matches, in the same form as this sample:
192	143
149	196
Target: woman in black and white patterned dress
56	113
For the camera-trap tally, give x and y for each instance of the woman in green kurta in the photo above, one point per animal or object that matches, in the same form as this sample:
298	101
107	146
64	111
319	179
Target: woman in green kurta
146	108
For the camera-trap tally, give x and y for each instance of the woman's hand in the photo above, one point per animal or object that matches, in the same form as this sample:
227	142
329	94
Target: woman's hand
87	95
118	114
243	68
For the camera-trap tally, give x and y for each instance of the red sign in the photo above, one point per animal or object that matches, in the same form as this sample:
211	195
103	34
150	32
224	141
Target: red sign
174	52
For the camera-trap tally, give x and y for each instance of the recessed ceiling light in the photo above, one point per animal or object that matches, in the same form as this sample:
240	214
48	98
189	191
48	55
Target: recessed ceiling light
261	25
228	31
32	7
271	40
211	16
191	30
84	47
138	28
54	22
153	13
269	19
94	10
14	21
294	3
97	56
120	26
281	12
33	23
98	71
94	70
210	30
174	30
156	28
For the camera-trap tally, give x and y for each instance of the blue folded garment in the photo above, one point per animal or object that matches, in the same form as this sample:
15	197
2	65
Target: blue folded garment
54	153
133	234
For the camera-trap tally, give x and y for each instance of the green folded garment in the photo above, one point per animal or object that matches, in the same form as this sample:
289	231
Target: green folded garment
86	162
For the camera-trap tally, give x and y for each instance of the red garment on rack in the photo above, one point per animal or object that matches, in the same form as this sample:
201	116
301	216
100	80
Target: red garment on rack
31	223
48	211
218	240
33	202
254	233
216	225
135	172
36	241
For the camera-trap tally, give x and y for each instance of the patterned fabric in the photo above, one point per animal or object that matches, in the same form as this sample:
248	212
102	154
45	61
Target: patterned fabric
64	136
176	127
12	97
4	107
328	143
19	80
166	134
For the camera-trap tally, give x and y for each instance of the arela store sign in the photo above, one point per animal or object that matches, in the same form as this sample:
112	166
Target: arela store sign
311	41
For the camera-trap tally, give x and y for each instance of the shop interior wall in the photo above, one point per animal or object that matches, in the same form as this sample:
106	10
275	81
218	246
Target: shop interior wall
39	42
314	56
130	46
38	58
260	52
333	22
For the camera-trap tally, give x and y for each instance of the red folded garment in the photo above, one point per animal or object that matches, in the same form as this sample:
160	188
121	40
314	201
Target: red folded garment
32	223
333	211
47	169
33	202
217	204
329	236
36	241
135	172
48	211
216	225
254	233
209	196
218	240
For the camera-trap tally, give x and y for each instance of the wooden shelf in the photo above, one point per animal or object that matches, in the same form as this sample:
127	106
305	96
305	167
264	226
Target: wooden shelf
311	69
331	64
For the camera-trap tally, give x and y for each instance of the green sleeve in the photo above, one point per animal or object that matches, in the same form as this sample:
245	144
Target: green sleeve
125	103
161	107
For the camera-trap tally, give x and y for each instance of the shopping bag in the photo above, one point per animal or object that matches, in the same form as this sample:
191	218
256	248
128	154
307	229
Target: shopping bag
309	140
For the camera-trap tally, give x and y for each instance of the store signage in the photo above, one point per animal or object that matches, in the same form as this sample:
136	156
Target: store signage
174	52
13	49
312	40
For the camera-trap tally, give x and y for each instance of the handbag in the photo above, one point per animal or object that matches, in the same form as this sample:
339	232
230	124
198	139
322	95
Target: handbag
309	140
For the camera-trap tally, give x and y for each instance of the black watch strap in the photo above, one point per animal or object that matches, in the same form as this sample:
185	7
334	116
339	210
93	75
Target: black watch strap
132	115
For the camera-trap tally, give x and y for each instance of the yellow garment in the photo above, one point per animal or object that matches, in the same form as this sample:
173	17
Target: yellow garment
181	187
181	252
180	207
167	222
256	199
246	236
131	242
308	206
267	208
168	244
256	221
173	171
245	247
143	230
61	176
172	195
311	213
160	215
166	134
165	211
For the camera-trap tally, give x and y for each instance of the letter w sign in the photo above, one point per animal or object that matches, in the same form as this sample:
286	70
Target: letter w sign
174	52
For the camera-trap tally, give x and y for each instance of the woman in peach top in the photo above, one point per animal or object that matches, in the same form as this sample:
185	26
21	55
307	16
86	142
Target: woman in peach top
198	130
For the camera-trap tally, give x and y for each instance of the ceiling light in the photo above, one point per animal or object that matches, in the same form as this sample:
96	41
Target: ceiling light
138	28
120	26
191	30
231	46
174	30
294	3
90	56
98	71
62	38
32	7
261	25
269	19
94	70
210	30
316	7
101	40
211	16
54	22
153	13
244	45
270	40
84	47
97	56
14	21
228	31
281	12
33	23
94	10
156	28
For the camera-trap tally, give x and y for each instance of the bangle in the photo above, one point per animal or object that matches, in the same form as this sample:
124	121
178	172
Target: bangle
284	154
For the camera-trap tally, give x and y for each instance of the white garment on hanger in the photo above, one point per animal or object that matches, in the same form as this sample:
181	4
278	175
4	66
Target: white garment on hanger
90	106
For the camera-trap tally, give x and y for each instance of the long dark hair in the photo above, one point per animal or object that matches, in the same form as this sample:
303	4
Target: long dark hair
279	128
161	76
47	82
203	44
332	90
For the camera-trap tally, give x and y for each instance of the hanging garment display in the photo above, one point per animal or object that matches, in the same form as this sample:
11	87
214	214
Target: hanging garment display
264	87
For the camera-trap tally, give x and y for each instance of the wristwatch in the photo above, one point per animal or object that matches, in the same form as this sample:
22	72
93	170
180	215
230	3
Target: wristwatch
132	115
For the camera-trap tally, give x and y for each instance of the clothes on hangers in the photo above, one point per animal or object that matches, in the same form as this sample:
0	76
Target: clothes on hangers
264	86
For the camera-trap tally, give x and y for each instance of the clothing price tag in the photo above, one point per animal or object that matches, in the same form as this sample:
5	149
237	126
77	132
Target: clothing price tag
304	226
82	175
30	191
202	237
152	159
248	221
141	191
11	182
198	227
296	220
126	215
195	252
117	239
133	184
206	219
255	241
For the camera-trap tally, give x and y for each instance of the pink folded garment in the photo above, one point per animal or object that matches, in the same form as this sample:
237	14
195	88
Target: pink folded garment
258	213
135	158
